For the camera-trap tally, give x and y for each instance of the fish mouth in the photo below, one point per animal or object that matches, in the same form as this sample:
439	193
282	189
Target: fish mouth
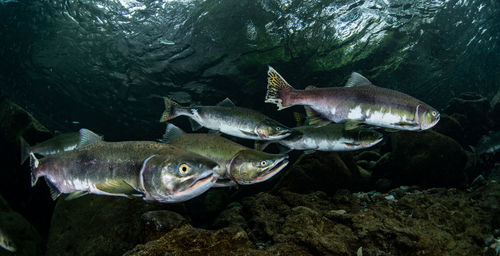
195	188
280	135
275	169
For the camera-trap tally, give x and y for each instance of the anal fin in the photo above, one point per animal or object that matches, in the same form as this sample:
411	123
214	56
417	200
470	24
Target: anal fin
54	192
75	195
352	124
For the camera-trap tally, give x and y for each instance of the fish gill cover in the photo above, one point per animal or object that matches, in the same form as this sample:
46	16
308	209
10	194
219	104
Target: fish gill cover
100	63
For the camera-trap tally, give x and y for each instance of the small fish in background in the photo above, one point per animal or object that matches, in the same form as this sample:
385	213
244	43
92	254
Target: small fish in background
229	119
359	102
237	163
59	143
150	170
331	137
6	242
489	144
167	42
311	135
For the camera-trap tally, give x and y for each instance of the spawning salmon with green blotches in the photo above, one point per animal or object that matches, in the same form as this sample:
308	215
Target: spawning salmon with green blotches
237	163
359	102
150	170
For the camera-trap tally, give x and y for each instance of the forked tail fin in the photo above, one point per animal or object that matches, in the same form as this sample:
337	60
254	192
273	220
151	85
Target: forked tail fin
25	149
278	90
34	163
170	110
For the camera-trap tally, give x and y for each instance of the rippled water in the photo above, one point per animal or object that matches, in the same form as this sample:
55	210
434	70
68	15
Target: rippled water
104	61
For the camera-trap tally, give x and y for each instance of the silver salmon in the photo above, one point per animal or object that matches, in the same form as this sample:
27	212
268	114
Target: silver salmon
331	137
229	119
358	102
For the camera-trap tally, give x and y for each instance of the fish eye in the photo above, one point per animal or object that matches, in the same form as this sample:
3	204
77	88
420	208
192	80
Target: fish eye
434	113
184	169
263	163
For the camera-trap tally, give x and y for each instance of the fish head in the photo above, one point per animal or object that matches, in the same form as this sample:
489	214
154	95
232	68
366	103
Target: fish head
361	138
252	166
427	116
176	176
272	130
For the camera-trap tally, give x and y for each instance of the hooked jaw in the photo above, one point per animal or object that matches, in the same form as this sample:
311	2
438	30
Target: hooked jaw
193	189
275	169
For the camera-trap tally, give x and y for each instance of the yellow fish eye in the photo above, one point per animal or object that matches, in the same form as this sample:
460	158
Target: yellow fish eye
263	163
184	169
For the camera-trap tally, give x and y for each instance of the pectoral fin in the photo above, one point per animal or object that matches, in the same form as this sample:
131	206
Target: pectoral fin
391	130
116	187
314	118
351	144
351	124
248	133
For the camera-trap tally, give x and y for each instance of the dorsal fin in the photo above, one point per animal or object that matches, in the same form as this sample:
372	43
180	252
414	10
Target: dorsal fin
310	87
357	79
314	118
87	137
226	103
172	132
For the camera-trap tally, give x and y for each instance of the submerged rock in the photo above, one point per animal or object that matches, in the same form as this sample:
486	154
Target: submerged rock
427	159
102	225
325	171
24	236
405	221
15	122
471	110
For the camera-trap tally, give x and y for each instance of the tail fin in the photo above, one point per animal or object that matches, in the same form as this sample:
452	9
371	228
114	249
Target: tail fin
170	110
34	163
25	149
278	90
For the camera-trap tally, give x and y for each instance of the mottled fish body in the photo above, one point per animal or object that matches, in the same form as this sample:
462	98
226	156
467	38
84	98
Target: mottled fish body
229	119
331	137
152	170
358	102
60	143
237	164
